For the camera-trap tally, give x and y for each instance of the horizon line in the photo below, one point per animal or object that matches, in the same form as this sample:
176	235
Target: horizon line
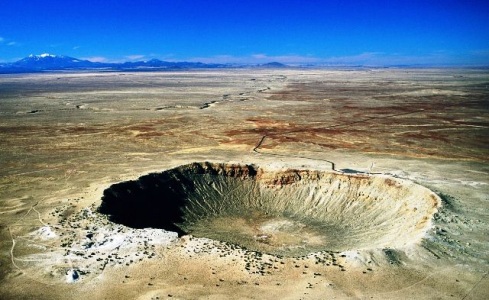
266	60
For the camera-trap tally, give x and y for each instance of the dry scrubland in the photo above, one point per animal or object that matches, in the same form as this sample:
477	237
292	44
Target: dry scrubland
295	184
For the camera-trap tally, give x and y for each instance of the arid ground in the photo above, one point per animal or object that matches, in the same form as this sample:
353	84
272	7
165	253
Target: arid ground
68	139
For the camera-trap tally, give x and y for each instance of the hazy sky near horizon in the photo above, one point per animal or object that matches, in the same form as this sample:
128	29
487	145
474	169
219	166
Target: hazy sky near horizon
339	32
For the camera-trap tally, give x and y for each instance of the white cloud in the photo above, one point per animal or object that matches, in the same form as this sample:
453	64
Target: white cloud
135	57
385	59
120	59
258	59
259	56
55	45
8	42
285	59
480	53
76	47
440	57
361	58
96	59
365	59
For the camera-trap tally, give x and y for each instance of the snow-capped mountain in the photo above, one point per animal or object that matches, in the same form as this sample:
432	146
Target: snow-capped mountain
50	62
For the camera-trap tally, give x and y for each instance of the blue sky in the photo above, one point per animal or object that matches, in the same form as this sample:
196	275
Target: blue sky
317	32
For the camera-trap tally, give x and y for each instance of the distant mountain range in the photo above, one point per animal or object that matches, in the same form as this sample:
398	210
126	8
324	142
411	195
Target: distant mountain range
49	62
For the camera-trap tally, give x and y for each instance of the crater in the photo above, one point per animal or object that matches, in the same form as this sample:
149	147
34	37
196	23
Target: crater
288	212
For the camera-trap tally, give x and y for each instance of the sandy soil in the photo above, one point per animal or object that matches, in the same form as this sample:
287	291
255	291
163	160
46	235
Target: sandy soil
66	138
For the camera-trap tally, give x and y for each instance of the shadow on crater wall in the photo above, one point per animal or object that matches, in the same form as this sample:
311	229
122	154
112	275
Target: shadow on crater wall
153	201
157	200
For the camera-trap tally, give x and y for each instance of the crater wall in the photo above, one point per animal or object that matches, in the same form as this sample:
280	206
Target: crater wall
287	212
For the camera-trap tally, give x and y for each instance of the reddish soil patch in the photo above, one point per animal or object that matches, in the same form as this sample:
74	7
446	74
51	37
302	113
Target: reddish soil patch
356	117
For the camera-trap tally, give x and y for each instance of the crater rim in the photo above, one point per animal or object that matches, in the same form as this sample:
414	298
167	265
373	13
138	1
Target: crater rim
270	220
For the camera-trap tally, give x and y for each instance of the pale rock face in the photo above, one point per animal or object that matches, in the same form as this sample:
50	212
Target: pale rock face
284	212
45	233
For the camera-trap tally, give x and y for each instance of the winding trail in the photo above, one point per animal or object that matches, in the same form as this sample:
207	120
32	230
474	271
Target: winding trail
333	166
475	286
256	149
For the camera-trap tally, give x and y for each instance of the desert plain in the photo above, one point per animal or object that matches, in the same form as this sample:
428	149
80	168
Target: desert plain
71	141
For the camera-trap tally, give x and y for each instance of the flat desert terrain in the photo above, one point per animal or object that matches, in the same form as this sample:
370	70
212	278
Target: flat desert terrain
245	184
